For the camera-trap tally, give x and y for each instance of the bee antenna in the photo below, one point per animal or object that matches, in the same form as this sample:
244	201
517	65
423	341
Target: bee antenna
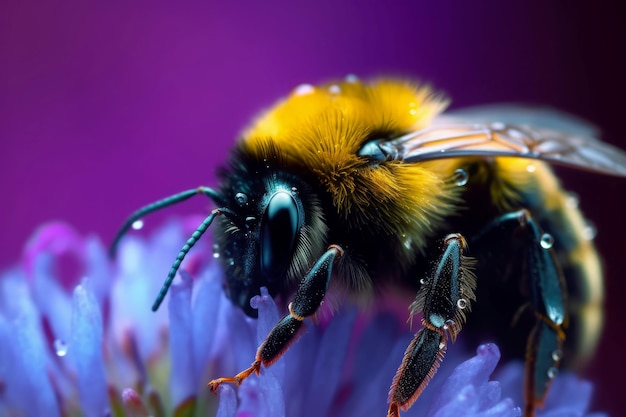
158	205
195	236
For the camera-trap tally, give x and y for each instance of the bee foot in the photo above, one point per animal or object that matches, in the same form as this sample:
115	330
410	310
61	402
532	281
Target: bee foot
237	379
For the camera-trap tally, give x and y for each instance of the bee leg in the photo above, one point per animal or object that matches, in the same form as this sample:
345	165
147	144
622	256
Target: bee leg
443	300
307	300
546	287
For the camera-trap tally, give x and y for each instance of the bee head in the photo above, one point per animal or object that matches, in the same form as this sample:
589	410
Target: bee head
275	230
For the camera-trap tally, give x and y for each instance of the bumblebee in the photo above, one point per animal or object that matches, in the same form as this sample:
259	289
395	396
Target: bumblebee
361	187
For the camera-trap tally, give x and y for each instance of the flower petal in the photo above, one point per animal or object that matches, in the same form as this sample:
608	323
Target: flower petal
85	350
205	319
228	401
182	385
24	358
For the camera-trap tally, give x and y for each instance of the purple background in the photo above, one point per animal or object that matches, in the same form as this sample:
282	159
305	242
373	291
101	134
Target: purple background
104	107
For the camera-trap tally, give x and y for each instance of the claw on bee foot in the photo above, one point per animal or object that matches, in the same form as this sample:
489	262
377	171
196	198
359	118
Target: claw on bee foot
394	410
237	379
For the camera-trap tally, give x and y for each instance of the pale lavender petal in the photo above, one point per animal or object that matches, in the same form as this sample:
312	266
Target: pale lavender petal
228	402
568	396
85	350
24	357
205	318
132	293
56	239
378	353
268	317
261	397
473	371
182	385
98	268
469	391
53	301
330	360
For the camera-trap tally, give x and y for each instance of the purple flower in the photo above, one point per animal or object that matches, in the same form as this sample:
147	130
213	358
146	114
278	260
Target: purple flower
81	340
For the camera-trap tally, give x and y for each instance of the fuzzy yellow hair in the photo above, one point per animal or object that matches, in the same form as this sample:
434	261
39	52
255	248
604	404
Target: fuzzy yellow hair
321	130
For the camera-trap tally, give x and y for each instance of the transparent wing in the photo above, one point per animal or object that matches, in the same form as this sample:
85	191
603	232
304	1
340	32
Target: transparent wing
450	136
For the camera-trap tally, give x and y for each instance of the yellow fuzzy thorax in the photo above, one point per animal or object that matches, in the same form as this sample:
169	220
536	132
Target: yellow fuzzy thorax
320	130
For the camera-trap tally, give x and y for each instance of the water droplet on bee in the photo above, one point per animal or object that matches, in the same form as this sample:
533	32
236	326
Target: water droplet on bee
461	303
530	168
241	198
60	347
461	177
442	345
546	241
572	200
553	372
137	224
590	232
216	250
557	355
294	190
231	261
334	89
216	255
303	89
423	281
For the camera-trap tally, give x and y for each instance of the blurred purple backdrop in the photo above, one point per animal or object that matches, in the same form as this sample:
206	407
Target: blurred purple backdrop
104	107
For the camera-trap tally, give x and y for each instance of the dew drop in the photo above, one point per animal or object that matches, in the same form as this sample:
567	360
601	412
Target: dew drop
572	200
216	255
216	251
557	355
231	261
294	190
334	89
445	327
530	168
461	303
303	89
60	347
546	241
241	198
423	281
461	177
442	345
553	372
590	232
137	224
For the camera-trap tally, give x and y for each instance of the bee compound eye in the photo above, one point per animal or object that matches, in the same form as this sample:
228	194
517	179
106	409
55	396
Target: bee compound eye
279	229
